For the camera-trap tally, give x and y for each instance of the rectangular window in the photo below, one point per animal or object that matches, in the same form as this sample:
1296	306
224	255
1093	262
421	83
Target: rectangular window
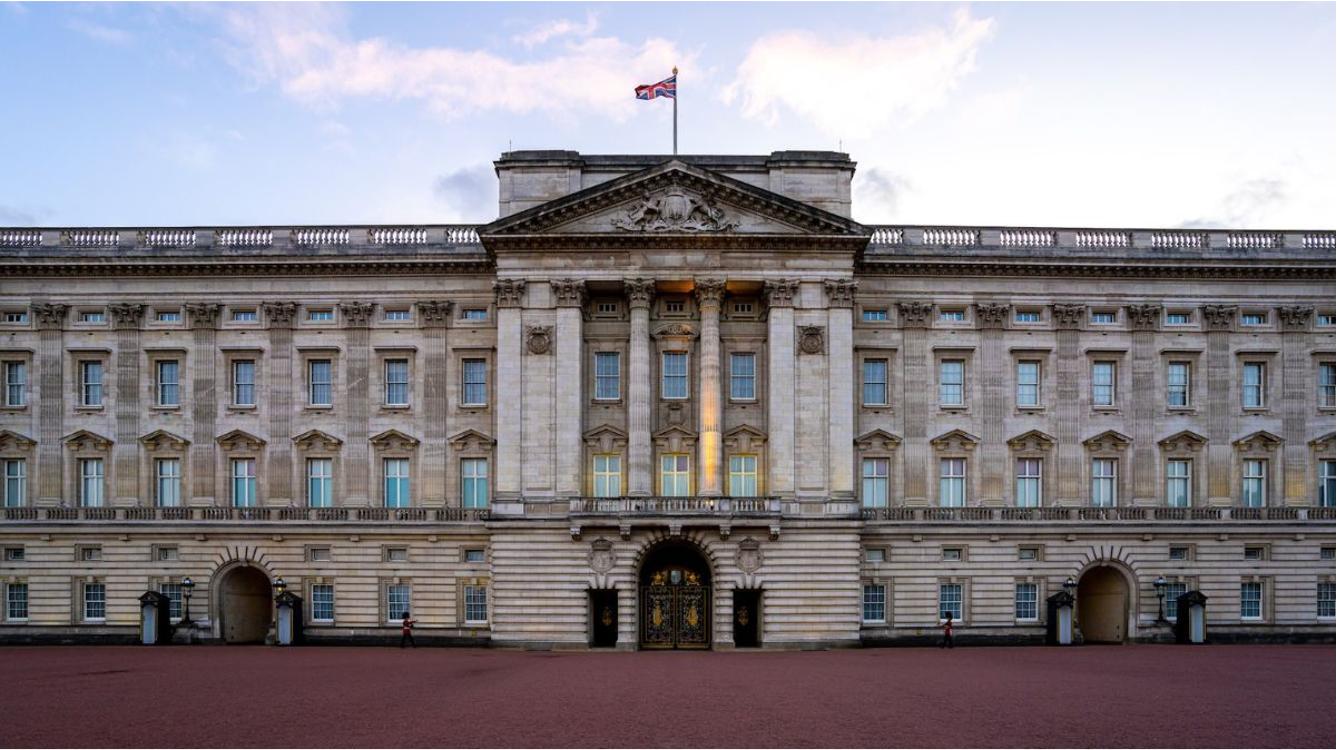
1027	601
397	554
607	376
606	308
173	593
16	482
743	308
90	482
874	315
1172	593
320	316
244	316
319	382
169	316
243	482
951	382
1254	553
1179	553
1028	554
1255	380
875	555
473	313
674	306
397	602
396	475
1325	319
1029	487
675	478
1177	383
875	382
93	317
168	554
1178	483
875	482
396	382
1253	319
1027	317
243	382
1028	383
1255	483
474	556
169	383
1327	592
1104	482
90	383
397	315
322	602
952	316
475	382
14	554
1327	484
475	604
949	600
743	376
674	375
473	475
952	482
90	554
1102	383
1327	384
320	482
318	554
95	601
742	475
16	383
1251	600
607	475
21	317
874	602
16	604
952	554
1178	319
1102	317
167	482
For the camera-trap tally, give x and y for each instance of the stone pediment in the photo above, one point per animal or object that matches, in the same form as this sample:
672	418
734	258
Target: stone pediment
675	439
955	440
605	439
163	439
1184	440
1032	440
240	439
317	439
877	441
1260	441
1323	443
472	440
10	440
393	440
82	439
744	439
1109	440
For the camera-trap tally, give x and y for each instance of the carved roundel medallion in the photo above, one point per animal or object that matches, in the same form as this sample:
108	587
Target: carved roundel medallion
601	556
811	339
539	340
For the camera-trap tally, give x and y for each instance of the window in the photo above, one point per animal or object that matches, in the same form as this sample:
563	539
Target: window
1324	319
952	554
14	554
473	313
475	603
1028	554
167	482
874	602
168	554
475	382
1173	591
1255	380
90	383
875	382
1327	483
1327	384
95	601
1027	601
1102	383
874	555
1102	317
1326	553
607	376
322	602
1177	383
1255	483
473	476
16	317
1253	319
1028	383
90	482
320	316
16	601
243	482
396	382
1028	316
742	475
1178	483
1251	600
173	593
1178	319
606	308
397	554
474	556
951	382
397	315
320	482
1327	592
743	376
319	384
244	316
674	306
169	383
397	601
90	554
243	382
874	315
16	482
1254	553
746	308
607	475
952	482
1104	482
949	600
318	554
675	375
16	383
168	316
1179	553
396	471
675	478
952	316
90	316
875	476
1029	489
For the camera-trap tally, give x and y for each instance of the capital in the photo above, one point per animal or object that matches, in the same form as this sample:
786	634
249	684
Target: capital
568	292
202	315
1069	317
435	313
356	314
991	315
709	292
50	316
1144	317
280	314
639	292
1295	317
840	292
1219	317
126	315
915	314
509	292
780	292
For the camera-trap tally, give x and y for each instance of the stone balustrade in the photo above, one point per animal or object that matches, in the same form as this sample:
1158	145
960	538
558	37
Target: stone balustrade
1156	239
697	506
1089	513
239	237
240	515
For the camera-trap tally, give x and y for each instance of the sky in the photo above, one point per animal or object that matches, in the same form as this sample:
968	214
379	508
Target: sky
1017	114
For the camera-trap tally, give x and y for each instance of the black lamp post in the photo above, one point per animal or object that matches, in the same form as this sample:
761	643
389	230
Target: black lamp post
187	588
1160	599
279	586
1069	584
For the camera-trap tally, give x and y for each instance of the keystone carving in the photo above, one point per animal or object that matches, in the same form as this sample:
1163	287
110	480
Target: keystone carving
568	292
780	293
811	339
1219	317
356	314
434	313
126	315
674	210
639	291
1145	317
538	339
709	292
1069	316
50	315
840	292
280	314
1295	317
509	292
989	315
202	315
915	314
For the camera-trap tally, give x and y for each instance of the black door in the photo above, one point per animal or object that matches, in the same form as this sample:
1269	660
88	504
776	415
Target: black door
746	614
603	616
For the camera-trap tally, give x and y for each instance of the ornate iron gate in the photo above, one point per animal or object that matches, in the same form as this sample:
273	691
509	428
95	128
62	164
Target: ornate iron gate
675	616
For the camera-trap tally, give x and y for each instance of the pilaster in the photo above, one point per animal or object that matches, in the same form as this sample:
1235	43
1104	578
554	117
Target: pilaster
1145	321
51	410
203	321
1219	320
278	453
840	372
509	407
991	318
569	295
127	319
780	387
356	364
1295	402
914	319
709	295
639	460
435	318
1068	368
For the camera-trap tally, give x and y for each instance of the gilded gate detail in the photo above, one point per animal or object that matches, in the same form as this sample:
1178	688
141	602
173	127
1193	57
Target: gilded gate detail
675	616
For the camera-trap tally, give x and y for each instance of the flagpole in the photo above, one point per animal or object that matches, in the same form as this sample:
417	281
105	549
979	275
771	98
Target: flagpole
675	113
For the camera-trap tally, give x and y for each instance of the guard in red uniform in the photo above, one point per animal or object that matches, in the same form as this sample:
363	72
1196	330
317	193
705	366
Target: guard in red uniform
947	633
407	636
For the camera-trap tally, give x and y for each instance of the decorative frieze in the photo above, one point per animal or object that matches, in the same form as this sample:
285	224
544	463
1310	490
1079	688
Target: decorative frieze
1219	317
1069	316
126	315
509	292
568	292
780	292
538	339
356	314
811	339
1295	317
202	315
280	314
639	292
50	316
840	292
991	315
1145	317
916	314
435	313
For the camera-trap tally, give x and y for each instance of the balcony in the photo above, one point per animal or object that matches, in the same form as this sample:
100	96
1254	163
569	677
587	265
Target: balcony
1088	514
286	515
676	506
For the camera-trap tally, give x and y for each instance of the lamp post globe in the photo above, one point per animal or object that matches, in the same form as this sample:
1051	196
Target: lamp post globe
280	586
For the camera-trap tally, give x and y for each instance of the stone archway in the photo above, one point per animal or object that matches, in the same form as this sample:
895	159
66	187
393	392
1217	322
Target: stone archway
676	597
245	607
1102	605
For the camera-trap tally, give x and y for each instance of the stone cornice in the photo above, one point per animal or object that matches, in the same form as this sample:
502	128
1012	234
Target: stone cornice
905	267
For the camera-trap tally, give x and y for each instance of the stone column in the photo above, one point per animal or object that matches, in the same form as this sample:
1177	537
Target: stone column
569	349
639	393
780	387
917	392
1219	320
509	406
51	404
357	468
993	374
278	453
709	295
1068	369
434	317
203	321
1295	402
840	374
1145	321
127	318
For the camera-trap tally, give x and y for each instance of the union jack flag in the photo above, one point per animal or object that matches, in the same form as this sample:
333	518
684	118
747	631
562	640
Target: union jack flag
667	87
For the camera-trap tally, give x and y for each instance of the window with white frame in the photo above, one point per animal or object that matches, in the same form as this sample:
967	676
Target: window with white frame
1327	384
1254	483
875	482
674	375
742	475
16	383
743	308
1103	375
167	482
16	482
473	313
1327	553
90	383
169	383
473	481
607	376
950	600
243	382
475	382
396	382
320	482
1326	320
1029	487
1255	553
398	315
173	593
318	554
397	602
607	475
1177	383
1027	601
874	602
1327	483
168	554
243	483
475	604
1179	553
1174	590
396	474
1027	316
16	601
874	314
875	555
397	554
322	602
1102	317
674	306
320	384
1253	319
675	477
18	316
952	482
91	482
1028	554
951	382
606	308
475	556
1178	319
95	601
953	554
1104	482
92	316
1251	600
320	316
90	554
1028	383
875	382
1253	391
952	316
244	316
15	554
1178	483
743	376
1327	594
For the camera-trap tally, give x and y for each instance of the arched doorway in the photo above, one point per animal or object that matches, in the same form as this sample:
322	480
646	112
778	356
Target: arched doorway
244	605
675	597
1102	605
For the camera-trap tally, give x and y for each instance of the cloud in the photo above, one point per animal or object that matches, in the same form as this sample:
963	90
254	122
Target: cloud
11	216
560	27
102	33
470	193
857	85
878	194
1252	203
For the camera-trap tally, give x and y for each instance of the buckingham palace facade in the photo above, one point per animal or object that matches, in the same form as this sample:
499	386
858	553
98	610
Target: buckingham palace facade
667	402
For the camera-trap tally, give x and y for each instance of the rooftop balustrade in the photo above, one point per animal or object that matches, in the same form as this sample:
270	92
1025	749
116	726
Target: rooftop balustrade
245	515
1080	514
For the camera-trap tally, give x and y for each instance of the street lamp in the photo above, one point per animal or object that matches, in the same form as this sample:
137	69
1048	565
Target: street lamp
1069	584
1160	599
279	586
187	588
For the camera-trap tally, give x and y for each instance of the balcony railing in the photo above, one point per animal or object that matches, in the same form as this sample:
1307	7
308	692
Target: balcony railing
888	238
248	515
238	238
1087	514
688	506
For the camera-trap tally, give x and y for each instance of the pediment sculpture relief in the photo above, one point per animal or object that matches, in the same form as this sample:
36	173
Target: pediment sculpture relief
674	210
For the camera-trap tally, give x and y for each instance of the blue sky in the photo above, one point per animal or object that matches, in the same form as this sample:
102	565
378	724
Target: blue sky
1081	114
